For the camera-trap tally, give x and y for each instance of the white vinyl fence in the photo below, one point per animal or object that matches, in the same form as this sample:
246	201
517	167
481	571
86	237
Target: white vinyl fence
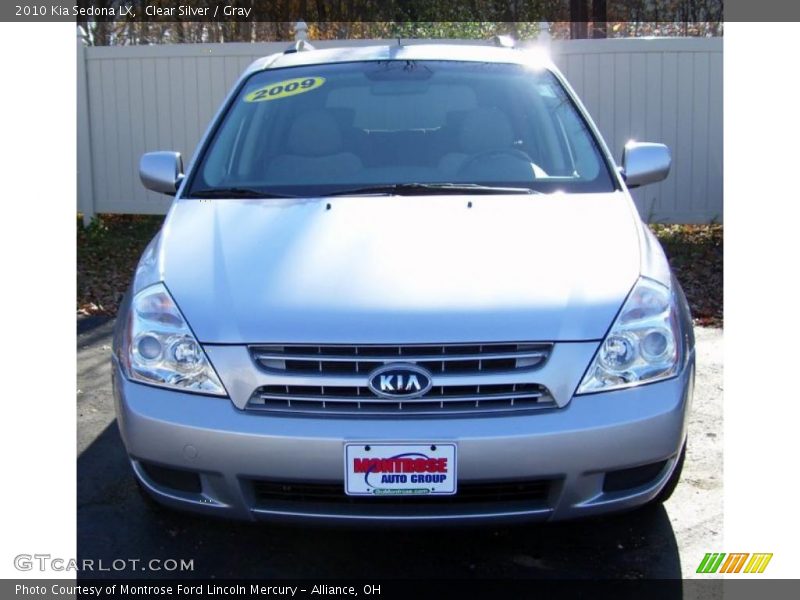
135	99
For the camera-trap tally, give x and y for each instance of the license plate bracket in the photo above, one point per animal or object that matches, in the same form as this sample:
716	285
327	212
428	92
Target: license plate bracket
400	469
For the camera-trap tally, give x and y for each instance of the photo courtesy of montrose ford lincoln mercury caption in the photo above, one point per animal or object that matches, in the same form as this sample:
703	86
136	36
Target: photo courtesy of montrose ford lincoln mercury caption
404	283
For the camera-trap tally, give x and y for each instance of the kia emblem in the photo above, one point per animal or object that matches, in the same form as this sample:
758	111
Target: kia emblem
399	380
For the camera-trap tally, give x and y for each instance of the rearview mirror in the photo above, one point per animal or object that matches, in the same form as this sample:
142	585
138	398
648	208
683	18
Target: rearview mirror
161	171
643	163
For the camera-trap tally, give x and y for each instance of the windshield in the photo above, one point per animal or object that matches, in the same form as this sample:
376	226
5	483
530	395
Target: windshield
334	128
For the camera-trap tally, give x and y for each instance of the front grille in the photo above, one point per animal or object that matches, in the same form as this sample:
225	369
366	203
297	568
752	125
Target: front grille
353	364
446	359
443	400
272	492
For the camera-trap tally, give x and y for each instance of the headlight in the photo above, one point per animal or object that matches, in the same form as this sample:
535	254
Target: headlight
642	346
160	349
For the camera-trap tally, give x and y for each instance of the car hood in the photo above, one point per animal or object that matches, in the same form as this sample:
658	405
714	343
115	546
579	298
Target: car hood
401	270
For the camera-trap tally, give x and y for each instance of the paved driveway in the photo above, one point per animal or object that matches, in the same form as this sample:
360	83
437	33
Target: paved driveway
659	542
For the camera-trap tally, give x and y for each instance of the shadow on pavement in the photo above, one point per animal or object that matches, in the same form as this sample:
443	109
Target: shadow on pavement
115	522
91	330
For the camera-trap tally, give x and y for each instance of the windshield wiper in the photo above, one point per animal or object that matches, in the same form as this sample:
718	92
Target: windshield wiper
393	189
236	192
409	189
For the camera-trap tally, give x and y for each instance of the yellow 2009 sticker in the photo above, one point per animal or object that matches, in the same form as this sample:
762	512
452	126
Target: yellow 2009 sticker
284	89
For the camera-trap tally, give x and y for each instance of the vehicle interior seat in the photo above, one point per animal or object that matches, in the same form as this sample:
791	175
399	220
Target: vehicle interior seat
315	155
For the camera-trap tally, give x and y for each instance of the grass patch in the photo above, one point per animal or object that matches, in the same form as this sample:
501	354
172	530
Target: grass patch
108	251
110	247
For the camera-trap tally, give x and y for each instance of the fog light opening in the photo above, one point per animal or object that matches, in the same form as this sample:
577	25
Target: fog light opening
629	479
173	479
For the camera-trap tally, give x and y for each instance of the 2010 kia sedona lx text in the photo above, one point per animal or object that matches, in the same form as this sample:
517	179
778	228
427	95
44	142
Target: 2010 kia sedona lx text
404	284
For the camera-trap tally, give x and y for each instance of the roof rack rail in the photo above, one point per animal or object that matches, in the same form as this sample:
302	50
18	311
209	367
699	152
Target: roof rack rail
503	41
299	46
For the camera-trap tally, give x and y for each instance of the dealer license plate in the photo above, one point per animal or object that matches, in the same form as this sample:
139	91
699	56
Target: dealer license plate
399	469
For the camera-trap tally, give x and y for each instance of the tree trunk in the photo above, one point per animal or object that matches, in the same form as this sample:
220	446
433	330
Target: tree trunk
579	18
599	16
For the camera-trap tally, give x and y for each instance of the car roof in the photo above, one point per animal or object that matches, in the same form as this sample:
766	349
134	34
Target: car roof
456	52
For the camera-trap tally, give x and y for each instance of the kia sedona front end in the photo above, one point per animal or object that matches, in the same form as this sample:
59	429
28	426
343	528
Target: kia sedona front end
404	285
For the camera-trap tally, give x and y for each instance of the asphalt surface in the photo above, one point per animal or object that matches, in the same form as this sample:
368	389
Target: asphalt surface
668	541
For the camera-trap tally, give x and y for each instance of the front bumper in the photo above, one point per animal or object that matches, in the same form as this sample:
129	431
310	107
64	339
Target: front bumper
570	448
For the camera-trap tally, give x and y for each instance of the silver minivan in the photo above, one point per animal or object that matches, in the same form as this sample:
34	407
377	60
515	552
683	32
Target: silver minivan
404	284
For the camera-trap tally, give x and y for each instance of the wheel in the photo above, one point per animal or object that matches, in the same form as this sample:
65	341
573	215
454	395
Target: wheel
673	480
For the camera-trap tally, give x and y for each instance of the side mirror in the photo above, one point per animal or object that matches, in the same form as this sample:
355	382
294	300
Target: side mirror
161	171
643	163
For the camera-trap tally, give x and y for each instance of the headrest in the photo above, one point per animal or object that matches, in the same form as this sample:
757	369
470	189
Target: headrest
485	129
315	133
